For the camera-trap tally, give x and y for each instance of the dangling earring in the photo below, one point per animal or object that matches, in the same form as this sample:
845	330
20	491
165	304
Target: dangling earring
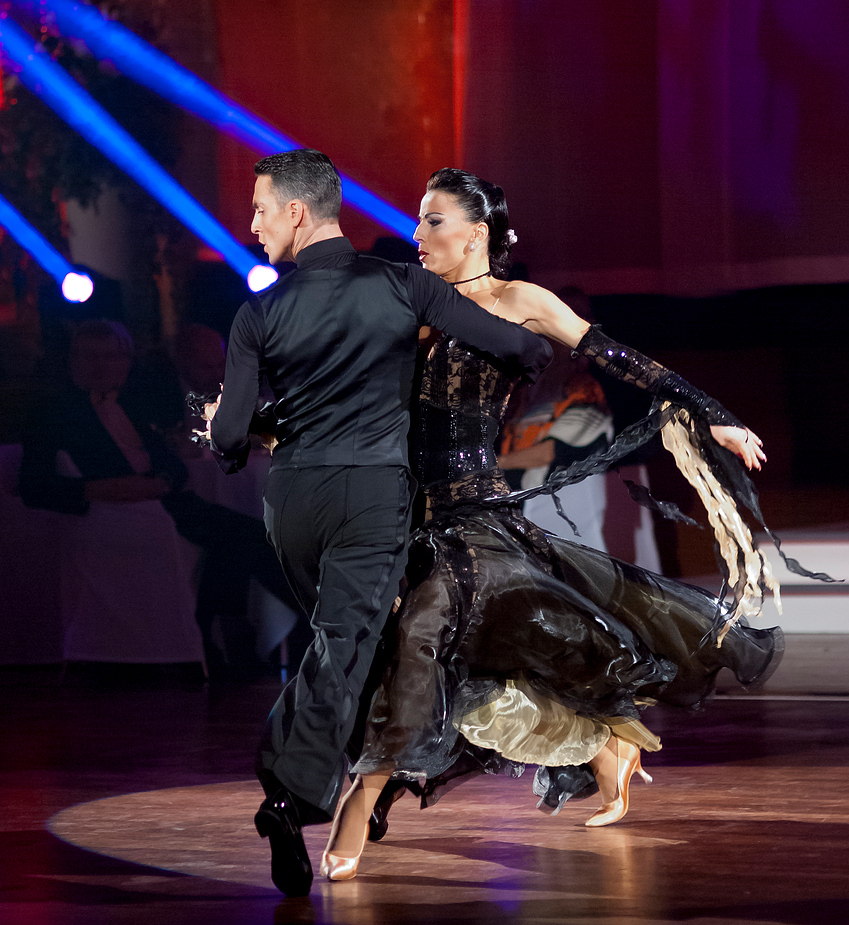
472	246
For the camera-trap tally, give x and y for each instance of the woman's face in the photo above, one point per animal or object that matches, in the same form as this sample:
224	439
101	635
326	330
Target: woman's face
444	234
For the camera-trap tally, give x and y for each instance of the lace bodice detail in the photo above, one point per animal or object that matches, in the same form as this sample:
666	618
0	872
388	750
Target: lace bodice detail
462	403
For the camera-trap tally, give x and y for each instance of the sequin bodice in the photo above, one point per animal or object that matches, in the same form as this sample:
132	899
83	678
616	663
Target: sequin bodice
462	404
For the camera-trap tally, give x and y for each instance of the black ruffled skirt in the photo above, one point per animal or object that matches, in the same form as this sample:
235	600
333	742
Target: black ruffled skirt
493	599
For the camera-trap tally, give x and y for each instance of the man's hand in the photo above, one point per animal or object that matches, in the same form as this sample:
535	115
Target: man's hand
742	442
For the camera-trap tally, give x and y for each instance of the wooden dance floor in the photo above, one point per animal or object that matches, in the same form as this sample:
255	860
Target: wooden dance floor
131	802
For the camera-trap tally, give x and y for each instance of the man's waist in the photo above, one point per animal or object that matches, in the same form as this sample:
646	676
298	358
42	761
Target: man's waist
297	455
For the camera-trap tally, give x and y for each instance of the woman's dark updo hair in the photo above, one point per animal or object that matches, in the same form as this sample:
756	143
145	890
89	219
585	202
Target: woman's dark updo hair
481	202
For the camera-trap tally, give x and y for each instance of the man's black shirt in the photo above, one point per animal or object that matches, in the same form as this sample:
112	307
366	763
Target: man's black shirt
337	340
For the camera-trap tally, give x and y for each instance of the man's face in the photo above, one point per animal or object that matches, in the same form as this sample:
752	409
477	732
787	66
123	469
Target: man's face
274	224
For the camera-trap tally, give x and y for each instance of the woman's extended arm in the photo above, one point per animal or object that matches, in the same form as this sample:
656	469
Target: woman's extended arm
544	313
630	365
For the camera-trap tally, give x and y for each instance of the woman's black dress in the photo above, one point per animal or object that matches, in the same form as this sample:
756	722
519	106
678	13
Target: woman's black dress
495	605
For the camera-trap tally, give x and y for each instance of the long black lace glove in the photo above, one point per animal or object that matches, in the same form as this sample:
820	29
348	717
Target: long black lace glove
630	365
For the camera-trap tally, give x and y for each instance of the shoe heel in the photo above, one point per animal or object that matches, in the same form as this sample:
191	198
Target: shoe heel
378	823
263	824
278	821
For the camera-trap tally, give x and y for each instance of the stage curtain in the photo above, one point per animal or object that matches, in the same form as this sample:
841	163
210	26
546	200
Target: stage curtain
681	146
369	83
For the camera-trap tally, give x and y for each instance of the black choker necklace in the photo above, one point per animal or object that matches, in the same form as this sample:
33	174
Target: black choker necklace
472	279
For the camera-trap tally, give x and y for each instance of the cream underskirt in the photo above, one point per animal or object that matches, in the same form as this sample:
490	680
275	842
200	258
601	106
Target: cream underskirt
524	726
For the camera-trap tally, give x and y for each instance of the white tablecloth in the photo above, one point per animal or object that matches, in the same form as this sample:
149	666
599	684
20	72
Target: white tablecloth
240	491
126	587
46	582
605	515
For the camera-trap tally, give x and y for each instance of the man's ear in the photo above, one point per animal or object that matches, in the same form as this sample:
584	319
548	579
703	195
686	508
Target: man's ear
298	212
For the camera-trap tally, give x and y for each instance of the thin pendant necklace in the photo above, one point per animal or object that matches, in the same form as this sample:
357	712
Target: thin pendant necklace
472	279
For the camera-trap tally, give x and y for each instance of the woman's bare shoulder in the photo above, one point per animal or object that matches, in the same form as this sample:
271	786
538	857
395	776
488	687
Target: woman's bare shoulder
518	292
541	311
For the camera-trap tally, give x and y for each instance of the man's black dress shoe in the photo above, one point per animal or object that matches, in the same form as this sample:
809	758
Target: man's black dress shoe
378	821
278	820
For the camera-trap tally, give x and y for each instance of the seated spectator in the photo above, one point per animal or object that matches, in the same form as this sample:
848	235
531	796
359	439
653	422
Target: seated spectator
560	419
93	454
199	358
125	587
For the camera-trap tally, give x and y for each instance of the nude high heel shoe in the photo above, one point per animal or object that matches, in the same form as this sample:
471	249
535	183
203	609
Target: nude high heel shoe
336	866
627	762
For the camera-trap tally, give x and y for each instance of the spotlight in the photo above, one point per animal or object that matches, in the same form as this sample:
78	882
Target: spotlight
261	277
37	70
79	286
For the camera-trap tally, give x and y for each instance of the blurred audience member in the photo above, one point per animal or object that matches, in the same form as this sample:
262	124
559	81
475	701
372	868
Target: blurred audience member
560	419
95	454
200	357
126	590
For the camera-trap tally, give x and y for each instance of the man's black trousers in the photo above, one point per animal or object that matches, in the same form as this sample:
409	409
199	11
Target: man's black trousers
341	535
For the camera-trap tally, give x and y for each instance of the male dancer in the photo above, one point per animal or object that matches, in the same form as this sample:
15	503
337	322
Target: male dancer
336	338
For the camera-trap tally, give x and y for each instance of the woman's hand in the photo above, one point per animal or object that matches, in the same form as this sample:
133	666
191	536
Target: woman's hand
211	407
209	410
742	442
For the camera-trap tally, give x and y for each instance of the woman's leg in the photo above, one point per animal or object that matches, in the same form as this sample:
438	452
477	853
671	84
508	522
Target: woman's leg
350	826
613	768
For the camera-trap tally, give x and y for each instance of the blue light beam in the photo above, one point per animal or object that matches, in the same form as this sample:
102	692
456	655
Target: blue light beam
76	287
63	94
144	63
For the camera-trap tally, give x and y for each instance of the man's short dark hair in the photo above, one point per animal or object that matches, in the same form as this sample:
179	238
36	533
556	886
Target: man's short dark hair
307	175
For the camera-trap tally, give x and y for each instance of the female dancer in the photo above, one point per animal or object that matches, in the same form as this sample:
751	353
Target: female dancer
512	646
